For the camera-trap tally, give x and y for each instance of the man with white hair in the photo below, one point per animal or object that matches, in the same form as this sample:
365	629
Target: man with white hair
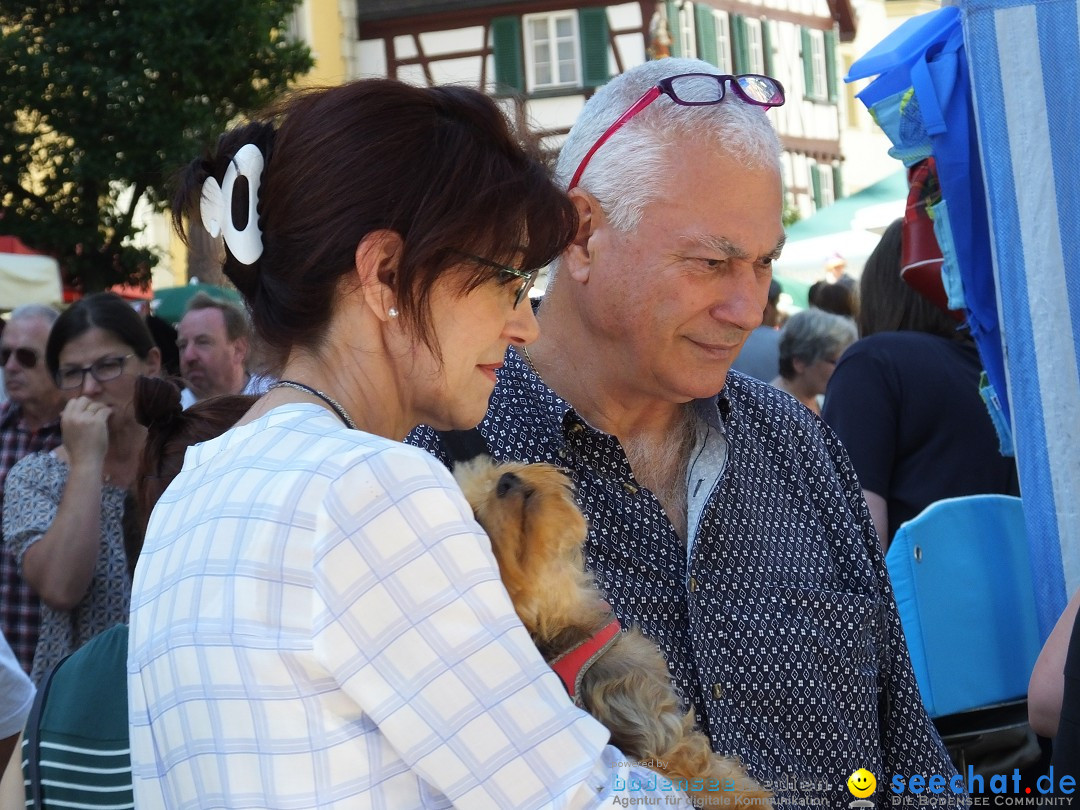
725	520
29	423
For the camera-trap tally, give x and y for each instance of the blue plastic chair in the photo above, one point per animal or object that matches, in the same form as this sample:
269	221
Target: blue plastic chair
963	584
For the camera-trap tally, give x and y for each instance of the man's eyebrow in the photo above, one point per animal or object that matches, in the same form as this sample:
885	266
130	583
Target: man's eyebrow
728	249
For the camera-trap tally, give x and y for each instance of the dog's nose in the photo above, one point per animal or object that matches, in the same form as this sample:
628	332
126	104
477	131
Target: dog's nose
508	482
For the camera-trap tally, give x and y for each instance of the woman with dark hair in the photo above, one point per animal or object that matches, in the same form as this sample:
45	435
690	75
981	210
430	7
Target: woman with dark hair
63	510
317	618
905	401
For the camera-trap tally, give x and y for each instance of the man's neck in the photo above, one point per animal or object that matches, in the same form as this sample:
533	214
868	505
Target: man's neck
590	377
36	415
242	383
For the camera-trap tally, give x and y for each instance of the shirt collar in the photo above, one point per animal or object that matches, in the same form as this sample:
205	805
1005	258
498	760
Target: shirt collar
530	396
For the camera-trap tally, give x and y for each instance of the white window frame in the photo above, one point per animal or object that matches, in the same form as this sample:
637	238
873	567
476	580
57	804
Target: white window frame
755	46
818	68
686	31
531	84
825	183
723	41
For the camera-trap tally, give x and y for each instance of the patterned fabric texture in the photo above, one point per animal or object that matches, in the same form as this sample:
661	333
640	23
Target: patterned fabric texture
20	610
781	630
318	621
32	495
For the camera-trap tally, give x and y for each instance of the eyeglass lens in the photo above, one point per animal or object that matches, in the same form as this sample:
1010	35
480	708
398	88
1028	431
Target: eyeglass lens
103	370
27	358
706	89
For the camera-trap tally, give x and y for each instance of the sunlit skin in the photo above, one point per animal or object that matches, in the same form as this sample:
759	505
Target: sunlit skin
666	307
378	369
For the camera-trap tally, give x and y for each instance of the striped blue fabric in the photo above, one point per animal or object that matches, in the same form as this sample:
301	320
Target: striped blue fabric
1025	65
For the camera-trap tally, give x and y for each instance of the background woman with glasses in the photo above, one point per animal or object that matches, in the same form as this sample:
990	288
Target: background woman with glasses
63	510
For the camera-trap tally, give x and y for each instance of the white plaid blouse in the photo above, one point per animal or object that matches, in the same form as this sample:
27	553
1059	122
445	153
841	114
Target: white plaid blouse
317	621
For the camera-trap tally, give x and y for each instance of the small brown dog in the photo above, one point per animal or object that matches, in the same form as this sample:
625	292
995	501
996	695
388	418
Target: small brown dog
537	533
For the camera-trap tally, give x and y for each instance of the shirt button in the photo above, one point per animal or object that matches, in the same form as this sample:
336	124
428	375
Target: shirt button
630	488
693	585
577	427
717	691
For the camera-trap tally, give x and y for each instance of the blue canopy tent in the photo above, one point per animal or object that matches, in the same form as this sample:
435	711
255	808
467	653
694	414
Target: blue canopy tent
999	122
1027	119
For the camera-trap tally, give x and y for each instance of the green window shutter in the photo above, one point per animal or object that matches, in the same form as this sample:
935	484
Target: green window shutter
838	181
673	27
592	25
506	44
831	66
740	48
766	47
807	63
706	34
815	179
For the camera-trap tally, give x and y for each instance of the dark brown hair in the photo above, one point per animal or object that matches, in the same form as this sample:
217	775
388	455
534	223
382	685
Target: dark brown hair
171	430
439	166
888	304
106	311
839	298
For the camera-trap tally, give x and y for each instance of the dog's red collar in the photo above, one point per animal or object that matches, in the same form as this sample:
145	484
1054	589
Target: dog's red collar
572	665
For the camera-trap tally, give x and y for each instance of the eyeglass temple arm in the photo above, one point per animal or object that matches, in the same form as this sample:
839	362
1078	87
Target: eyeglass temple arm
639	105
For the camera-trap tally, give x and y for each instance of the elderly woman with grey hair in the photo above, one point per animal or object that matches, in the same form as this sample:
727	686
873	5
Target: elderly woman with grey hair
811	343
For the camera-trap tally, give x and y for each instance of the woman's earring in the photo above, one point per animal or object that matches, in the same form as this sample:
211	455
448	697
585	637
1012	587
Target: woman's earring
392	312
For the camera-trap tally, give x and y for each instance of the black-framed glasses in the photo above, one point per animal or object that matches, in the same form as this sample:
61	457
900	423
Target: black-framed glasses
694	90
27	358
528	277
103	370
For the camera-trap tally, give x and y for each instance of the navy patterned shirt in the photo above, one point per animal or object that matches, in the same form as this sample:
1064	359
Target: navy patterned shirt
781	628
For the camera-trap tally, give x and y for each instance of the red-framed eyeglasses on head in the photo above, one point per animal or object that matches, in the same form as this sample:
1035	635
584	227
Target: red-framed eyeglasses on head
693	90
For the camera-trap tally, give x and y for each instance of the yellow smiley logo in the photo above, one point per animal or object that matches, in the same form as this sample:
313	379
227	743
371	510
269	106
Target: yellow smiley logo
861	783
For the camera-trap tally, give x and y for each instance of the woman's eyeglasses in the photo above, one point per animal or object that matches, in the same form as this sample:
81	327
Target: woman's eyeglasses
102	370
27	358
528	277
694	90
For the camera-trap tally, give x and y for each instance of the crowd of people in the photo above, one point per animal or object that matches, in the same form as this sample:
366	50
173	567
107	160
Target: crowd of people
280	576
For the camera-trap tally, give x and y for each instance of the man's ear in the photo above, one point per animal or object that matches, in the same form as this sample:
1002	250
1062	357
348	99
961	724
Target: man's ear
153	362
376	263
240	350
576	258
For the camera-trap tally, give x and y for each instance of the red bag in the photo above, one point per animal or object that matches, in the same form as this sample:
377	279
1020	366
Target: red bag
920	254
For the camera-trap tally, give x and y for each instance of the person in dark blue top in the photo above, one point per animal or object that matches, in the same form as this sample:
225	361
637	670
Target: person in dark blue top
904	399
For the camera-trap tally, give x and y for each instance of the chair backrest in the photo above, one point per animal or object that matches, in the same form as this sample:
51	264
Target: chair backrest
963	584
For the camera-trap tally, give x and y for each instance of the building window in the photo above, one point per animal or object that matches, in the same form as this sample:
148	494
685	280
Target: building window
755	48
819	73
821	176
551	51
723	42
685	31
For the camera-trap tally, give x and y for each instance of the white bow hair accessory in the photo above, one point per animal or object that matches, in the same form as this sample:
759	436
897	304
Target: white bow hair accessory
215	207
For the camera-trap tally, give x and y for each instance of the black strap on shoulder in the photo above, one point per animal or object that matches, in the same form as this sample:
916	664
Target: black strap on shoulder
32	737
463	445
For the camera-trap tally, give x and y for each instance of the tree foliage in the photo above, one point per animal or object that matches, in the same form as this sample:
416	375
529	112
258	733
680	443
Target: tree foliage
102	100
